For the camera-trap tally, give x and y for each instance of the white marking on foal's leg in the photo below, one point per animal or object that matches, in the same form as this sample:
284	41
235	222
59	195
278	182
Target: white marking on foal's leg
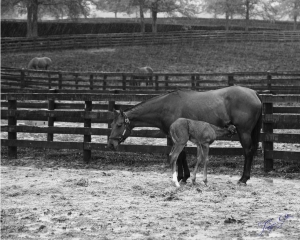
175	179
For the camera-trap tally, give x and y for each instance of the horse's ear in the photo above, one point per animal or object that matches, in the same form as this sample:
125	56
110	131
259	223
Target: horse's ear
121	112
115	113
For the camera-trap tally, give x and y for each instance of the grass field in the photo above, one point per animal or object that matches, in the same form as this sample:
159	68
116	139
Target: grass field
204	58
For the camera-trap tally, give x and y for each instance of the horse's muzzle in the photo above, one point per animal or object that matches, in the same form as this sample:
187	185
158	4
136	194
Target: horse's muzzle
112	145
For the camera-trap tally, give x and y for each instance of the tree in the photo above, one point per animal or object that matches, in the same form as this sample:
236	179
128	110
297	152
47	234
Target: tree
229	8
290	8
34	8
115	6
171	7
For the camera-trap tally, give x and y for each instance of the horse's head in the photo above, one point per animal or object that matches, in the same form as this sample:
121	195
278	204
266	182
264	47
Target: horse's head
120	130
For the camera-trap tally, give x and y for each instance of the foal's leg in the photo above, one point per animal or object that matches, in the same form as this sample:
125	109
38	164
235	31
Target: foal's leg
205	148
173	157
199	159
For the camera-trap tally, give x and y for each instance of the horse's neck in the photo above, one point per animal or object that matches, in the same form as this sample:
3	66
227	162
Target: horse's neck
145	115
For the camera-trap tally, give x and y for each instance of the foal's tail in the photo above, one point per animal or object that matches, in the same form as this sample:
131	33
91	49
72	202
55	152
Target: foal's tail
256	130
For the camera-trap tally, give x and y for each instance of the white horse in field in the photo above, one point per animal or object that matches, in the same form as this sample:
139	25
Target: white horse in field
40	63
139	74
200	133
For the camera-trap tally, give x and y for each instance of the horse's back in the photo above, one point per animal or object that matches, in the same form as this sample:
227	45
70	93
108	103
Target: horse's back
218	107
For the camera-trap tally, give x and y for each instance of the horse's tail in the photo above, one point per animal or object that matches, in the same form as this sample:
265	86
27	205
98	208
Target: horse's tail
256	130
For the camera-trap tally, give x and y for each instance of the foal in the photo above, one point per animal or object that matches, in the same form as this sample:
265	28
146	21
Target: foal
200	133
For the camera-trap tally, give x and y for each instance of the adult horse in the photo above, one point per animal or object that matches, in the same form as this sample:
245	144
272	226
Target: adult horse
234	105
141	73
40	63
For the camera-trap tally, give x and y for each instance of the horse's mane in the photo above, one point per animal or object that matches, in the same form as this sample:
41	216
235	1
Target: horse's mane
142	103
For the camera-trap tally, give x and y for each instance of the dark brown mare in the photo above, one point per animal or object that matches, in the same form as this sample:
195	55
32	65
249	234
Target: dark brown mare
234	105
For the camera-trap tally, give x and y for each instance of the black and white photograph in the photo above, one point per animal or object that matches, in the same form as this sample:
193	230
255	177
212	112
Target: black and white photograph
150	120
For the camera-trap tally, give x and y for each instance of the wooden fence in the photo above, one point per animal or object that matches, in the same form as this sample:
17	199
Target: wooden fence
13	79
133	39
93	108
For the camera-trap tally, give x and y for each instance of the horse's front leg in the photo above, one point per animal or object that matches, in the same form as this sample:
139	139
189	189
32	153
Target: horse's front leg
173	157
205	148
183	168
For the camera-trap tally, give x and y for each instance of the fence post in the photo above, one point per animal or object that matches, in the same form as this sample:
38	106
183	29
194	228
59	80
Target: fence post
91	81
166	81
76	81
51	106
22	78
230	79
124	82
49	81
104	82
193	82
87	153
156	83
268	145
12	122
197	82
60	80
111	107
269	81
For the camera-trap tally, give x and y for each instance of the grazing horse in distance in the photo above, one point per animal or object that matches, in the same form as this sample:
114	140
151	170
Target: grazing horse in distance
200	133
141	73
236	105
40	63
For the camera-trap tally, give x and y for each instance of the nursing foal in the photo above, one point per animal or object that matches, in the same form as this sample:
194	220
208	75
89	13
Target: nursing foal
200	133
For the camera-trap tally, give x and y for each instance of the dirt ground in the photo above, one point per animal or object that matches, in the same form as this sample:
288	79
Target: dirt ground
51	195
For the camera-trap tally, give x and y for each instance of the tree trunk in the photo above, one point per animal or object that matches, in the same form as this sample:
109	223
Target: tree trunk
227	20
142	18
295	15
32	18
154	16
247	15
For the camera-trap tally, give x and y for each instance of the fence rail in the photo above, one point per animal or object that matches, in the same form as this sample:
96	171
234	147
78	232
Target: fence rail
94	109
13	79
132	39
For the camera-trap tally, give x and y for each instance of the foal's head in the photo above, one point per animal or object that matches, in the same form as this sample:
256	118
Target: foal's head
231	130
120	130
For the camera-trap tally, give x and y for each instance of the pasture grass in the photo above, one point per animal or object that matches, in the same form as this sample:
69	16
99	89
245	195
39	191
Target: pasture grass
196	57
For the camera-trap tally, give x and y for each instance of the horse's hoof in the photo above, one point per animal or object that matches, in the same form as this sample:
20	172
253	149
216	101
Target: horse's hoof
241	183
183	182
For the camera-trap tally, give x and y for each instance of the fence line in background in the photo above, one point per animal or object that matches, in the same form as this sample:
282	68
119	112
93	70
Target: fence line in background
24	79
132	39
92	111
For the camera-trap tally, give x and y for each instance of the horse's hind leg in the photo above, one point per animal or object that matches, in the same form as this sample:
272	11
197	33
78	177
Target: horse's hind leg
173	157
246	142
183	168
